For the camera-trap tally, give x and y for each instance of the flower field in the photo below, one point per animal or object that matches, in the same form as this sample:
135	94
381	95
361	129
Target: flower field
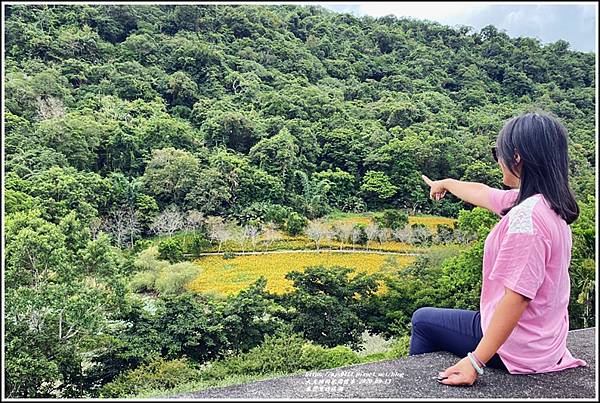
431	221
228	276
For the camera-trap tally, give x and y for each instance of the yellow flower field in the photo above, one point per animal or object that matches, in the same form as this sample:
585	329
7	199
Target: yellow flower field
431	222
229	276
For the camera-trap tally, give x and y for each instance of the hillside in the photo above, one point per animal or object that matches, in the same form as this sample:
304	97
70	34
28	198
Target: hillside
124	124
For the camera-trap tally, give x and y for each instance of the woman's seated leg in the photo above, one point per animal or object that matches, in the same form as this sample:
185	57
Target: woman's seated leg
443	329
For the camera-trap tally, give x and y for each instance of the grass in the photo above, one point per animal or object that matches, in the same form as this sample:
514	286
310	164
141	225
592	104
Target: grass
229	276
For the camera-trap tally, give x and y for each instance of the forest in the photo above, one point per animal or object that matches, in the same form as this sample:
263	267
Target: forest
136	135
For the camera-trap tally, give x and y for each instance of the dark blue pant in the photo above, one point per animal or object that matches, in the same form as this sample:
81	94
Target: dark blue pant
442	329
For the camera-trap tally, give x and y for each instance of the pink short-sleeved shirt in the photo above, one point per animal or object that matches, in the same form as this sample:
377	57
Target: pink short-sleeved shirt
529	251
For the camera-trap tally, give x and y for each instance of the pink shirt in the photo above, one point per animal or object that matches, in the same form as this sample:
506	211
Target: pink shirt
529	251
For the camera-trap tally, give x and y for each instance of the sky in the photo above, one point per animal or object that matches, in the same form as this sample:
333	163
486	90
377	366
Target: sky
549	22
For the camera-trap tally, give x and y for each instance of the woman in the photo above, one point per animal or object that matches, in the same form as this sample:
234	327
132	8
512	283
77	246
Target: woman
523	320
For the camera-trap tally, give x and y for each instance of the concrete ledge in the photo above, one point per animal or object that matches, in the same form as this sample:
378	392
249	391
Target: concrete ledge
414	377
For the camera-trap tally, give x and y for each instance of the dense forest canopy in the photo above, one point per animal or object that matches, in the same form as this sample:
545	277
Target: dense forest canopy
252	97
118	115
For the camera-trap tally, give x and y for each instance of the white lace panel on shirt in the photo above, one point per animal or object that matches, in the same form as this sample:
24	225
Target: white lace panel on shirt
520	220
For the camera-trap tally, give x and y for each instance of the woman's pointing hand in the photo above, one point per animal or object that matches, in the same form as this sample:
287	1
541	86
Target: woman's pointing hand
437	189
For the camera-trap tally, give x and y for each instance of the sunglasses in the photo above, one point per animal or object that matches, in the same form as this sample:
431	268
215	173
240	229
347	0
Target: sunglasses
494	154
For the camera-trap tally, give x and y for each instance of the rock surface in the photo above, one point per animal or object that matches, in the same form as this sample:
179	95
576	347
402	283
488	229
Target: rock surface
415	377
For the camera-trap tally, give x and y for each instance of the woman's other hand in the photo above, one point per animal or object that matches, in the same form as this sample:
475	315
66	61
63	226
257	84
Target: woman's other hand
462	373
437	190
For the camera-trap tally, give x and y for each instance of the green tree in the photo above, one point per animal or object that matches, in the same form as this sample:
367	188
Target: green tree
62	190
341	187
181	89
250	315
192	326
392	219
232	181
170	175
55	310
295	224
74	135
235	130
329	304
171	250
376	186
277	155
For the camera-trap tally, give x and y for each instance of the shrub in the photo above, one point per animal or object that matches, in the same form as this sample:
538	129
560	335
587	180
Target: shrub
444	234
141	244
229	255
148	260
374	357
150	267
399	347
280	352
159	275
318	357
295	224
172	279
390	218
170	250
198	245
359	234
420	234
158	374
143	281
581	304
283	352
583	285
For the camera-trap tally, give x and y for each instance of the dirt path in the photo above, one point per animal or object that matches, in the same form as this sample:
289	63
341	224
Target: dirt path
311	251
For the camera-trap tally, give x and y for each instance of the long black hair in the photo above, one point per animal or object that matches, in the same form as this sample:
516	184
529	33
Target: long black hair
542	142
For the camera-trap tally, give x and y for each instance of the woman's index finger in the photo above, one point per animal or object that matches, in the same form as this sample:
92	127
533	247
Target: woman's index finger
426	179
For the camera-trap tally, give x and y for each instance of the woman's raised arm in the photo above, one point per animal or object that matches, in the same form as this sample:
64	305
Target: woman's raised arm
474	193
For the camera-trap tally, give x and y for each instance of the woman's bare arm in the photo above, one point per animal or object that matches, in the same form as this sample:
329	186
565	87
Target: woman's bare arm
505	318
474	193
